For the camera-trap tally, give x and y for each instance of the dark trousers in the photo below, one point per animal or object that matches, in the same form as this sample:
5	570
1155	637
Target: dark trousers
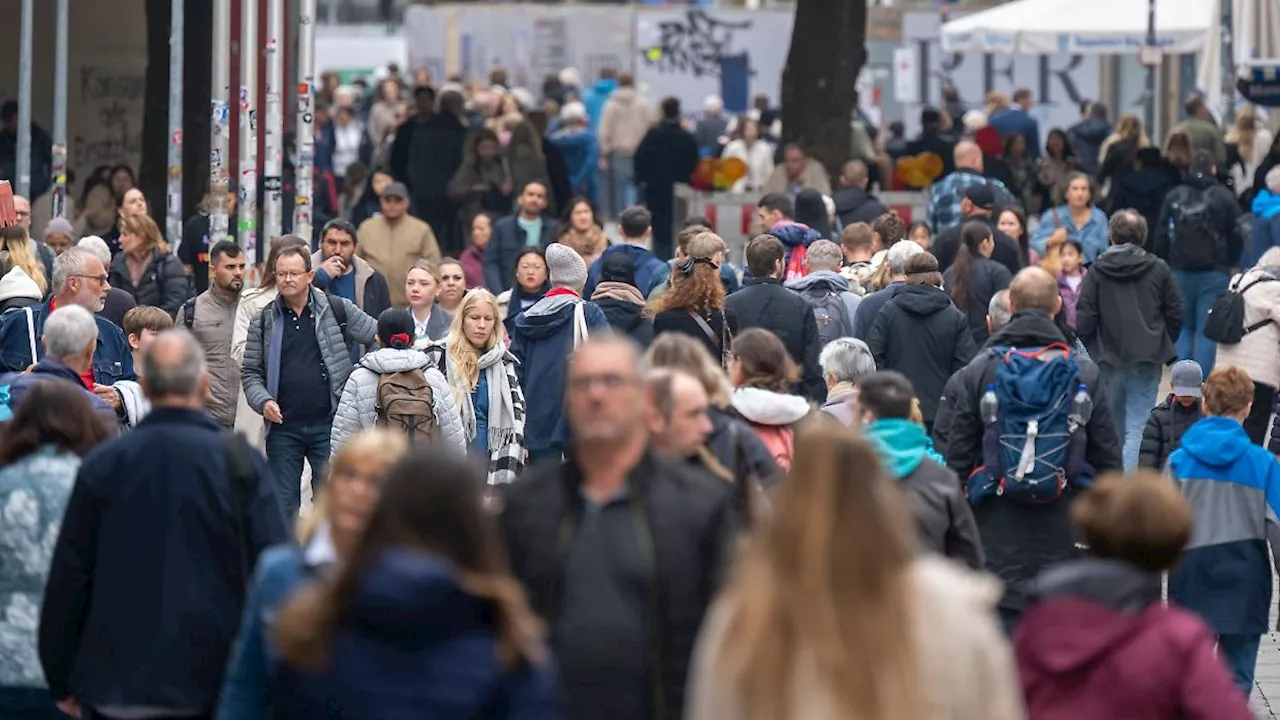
91	714
21	703
1240	653
1259	420
287	447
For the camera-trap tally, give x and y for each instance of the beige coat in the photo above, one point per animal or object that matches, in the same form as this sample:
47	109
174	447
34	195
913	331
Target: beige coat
393	248
967	668
623	123
252	302
814	178
1258	353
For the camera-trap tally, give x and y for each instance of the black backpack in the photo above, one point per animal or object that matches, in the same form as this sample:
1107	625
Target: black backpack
1195	241
830	313
1225	324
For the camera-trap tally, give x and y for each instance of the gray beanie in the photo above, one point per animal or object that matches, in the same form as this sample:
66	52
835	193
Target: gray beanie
566	267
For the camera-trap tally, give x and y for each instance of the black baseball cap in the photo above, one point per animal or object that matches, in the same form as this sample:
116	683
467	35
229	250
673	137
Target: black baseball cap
982	196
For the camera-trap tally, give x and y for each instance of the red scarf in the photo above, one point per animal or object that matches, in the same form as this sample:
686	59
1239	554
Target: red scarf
562	291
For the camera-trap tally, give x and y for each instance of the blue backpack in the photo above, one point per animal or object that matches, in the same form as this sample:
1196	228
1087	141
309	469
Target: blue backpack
1032	413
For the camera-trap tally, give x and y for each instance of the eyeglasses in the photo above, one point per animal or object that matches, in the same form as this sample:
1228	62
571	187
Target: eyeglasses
290	275
102	279
529	266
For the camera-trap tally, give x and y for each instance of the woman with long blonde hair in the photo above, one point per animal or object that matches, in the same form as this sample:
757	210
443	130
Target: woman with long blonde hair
146	267
1250	140
1120	148
326	538
482	378
831	612
17	249
424	620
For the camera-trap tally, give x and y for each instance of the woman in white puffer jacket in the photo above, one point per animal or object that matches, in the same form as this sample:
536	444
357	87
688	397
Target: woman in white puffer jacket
1258	352
358	408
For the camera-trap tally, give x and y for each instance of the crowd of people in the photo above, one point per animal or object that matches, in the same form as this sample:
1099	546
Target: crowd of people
538	472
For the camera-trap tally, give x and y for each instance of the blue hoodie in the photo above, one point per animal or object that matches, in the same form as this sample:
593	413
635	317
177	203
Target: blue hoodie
1234	490
594	99
581	153
649	268
793	235
902	445
1266	204
413	643
542	341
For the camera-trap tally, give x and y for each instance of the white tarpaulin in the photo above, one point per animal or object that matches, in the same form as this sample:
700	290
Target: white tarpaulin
1256	36
1081	27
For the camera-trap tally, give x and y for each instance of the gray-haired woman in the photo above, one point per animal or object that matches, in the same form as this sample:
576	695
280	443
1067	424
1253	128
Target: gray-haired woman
843	361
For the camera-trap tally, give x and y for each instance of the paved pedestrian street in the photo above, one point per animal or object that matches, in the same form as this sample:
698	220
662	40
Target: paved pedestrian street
1265	700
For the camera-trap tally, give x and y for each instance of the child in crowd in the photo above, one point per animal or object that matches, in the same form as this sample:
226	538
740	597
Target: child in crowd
1071	277
1171	418
141	326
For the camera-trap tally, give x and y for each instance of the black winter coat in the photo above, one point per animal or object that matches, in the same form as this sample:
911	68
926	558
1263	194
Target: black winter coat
987	277
689	520
947	244
740	450
628	319
944	520
680	321
855	205
1021	539
164	283
922	335
766	304
1225	211
1163	432
1129	310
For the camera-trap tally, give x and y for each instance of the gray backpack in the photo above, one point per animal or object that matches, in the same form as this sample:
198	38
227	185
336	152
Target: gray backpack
831	314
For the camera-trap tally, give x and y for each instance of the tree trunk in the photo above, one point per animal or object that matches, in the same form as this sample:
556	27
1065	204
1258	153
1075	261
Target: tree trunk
153	174
819	82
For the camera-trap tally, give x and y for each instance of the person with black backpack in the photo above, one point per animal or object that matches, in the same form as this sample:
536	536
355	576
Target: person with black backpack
1197	235
399	388
827	292
1245	322
1030	426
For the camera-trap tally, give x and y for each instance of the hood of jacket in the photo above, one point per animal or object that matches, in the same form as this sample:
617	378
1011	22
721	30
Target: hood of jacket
625	97
820	279
1092	130
604	88
849	199
622	314
901	444
1199	181
546	317
17	284
1109	598
412	600
1216	441
1027	328
392	360
765	407
1149	181
793	234
920	300
1124	262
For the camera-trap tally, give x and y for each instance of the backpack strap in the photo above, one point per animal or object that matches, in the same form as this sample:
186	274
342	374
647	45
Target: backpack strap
242	475
1035	354
31	333
187	312
339	310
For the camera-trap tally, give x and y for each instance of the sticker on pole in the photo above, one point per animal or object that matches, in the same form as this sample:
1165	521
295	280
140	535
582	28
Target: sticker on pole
1150	55
177	137
271	184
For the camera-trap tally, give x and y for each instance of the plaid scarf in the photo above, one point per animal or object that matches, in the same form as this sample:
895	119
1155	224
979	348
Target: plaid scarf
506	410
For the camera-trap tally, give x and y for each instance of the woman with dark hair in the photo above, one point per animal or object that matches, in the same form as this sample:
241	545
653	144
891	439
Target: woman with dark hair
921	334
582	230
920	233
811	210
694	305
424	620
146	267
130	202
366	204
532	283
974	278
1055	166
40	453
97	203
1079	219
762	374
483	181
1013	222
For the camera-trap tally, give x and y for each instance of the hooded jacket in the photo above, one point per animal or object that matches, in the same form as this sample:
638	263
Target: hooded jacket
765	303
581	154
623	307
922	335
738	449
772	415
1091	623
1166	425
943	517
358	408
823	282
1021	539
18	290
1129	309
1256	352
650	271
1234	490
792	235
542	341
1224	211
623	122
595	99
855	205
414	643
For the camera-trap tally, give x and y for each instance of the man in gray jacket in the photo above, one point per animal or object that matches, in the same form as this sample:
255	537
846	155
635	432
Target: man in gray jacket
296	362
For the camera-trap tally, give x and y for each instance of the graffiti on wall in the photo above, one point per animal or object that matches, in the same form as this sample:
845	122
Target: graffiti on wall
694	44
112	97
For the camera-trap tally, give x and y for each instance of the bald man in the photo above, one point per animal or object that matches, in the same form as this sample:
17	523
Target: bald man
1021	539
854	203
944	211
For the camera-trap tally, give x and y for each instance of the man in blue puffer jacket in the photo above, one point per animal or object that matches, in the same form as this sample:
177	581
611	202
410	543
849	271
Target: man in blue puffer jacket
544	336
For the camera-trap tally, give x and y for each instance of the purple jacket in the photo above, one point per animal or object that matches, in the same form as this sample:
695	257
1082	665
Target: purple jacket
1070	297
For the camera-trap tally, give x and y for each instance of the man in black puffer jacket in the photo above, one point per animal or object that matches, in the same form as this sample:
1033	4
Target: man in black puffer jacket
1021	539
764	303
1171	418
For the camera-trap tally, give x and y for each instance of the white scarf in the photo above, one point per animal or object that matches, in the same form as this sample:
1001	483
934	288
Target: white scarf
501	409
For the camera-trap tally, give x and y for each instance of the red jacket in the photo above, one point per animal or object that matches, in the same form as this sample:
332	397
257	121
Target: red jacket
472	261
1100	644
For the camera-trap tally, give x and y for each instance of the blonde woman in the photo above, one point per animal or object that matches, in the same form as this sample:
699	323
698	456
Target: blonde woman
421	287
1119	149
832	613
146	267
17	249
482	377
1251	140
326	537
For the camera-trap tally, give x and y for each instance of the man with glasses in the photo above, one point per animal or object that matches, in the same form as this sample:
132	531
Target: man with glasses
296	362
592	541
79	278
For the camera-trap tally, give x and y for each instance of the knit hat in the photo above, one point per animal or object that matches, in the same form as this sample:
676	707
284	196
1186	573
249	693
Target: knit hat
566	267
60	226
17	284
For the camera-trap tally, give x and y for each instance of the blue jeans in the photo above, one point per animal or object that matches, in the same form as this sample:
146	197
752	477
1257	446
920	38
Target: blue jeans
287	446
1198	288
1132	391
1240	653
620	183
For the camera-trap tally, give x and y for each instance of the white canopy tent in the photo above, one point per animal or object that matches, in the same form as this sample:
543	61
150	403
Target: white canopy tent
1082	27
